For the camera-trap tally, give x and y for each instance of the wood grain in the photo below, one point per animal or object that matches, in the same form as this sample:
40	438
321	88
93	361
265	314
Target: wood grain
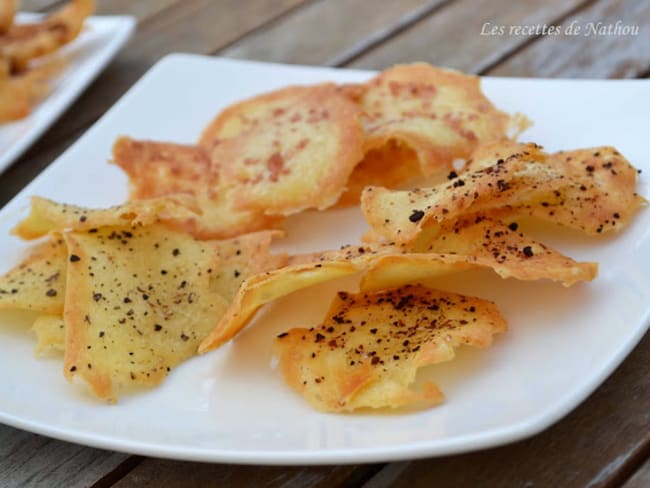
609	56
452	37
37	5
330	31
172	474
31	460
598	445
140	10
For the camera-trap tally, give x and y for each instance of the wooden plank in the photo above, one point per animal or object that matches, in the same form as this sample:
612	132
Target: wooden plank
31	460
452	37
640	479
172	474
593	56
140	10
597	445
324	33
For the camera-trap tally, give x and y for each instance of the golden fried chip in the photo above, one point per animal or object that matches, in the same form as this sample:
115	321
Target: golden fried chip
367	351
390	166
272	149
260	289
401	215
144	298
7	13
37	283
599	197
18	94
441	114
25	42
478	241
158	169
599	194
50	334
47	215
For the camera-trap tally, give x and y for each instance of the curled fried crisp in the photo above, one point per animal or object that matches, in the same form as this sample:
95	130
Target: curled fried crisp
367	351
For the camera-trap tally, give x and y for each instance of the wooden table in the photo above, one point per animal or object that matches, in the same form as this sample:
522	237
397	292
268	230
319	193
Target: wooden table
604	442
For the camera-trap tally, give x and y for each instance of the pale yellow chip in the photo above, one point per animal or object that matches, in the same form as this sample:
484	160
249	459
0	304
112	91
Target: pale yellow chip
22	43
38	282
50	334
461	247
401	216
49	216
19	93
441	114
144	298
601	194
367	351
7	12
272	149
158	169
478	241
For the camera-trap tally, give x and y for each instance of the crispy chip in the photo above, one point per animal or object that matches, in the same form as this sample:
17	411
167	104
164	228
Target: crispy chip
143	299
48	216
475	243
7	13
263	288
390	166
158	169
402	215
367	351
19	93
479	241
24	42
50	334
441	114
273	148
599	197
37	283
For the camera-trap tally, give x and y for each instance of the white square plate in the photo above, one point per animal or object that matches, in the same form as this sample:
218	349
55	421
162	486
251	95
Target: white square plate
232	406
84	58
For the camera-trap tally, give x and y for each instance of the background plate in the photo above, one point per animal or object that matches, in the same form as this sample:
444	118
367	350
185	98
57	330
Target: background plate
84	58
232	406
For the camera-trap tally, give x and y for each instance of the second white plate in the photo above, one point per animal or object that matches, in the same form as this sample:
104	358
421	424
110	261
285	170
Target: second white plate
84	58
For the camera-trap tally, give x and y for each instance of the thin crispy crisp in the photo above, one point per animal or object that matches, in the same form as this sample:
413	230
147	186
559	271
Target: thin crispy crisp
38	282
441	114
50	334
479	243
600	195
19	93
272	149
402	215
24	42
390	166
47	216
367	351
158	169
7	12
144	298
